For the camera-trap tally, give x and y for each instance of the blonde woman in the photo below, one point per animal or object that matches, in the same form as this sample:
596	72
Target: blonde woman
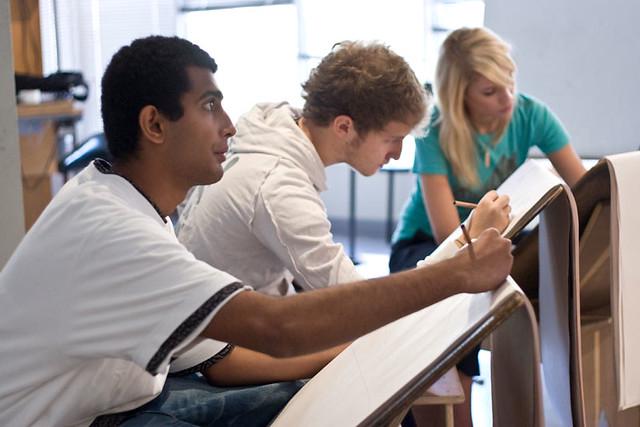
481	131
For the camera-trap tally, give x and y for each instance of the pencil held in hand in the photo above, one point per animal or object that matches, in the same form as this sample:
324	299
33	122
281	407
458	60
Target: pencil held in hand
467	205
467	238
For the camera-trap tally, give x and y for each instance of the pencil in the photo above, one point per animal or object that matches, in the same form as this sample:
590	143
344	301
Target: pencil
468	205
468	240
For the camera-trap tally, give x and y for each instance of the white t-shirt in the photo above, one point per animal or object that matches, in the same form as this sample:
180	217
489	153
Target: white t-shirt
265	221
95	302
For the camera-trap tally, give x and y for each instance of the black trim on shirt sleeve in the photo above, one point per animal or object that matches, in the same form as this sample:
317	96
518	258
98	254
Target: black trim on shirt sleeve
189	325
207	363
110	420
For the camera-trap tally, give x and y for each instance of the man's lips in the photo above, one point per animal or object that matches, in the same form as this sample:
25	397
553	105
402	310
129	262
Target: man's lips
221	154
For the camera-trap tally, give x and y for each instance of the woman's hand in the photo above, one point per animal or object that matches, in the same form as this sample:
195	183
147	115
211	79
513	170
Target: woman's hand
492	212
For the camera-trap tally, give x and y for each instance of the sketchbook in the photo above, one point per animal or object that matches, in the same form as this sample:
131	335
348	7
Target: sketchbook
381	373
530	188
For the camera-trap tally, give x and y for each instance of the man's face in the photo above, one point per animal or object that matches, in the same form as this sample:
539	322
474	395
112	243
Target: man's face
198	140
369	153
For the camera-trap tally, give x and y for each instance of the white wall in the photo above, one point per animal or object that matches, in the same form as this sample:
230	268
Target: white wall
582	58
11	210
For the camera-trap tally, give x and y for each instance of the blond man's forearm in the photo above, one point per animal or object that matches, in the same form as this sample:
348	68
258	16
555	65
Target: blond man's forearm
245	367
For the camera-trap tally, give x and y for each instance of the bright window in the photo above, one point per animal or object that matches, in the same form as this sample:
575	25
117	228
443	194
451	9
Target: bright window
288	40
256	49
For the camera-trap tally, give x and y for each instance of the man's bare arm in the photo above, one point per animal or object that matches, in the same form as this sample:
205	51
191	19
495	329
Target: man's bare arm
316	320
243	367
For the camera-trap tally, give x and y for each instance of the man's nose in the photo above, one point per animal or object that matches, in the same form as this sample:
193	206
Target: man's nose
230	131
398	152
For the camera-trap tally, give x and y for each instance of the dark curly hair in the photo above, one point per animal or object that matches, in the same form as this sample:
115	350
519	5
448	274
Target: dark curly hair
367	82
150	71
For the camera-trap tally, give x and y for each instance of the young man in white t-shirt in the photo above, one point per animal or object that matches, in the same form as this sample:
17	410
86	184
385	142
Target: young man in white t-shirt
100	302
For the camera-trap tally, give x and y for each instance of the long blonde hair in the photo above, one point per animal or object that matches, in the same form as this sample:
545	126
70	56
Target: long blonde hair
464	53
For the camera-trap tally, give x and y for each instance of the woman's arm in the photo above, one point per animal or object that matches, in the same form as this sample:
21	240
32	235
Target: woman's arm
568	164
246	367
492	211
438	202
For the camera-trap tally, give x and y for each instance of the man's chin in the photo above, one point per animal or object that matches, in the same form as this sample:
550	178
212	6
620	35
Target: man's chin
370	172
366	170
213	177
217	177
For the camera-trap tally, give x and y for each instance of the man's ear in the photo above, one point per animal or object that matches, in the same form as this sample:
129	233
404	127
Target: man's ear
151	123
343	127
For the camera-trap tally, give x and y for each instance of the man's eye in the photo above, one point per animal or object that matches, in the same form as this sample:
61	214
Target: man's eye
210	106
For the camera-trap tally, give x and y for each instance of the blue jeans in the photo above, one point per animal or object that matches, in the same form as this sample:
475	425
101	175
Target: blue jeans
190	401
406	253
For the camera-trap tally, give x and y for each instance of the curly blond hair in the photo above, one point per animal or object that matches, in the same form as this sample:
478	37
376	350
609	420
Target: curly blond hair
367	82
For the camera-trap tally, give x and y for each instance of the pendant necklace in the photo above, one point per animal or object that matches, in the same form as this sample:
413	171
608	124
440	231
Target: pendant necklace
487	147
487	152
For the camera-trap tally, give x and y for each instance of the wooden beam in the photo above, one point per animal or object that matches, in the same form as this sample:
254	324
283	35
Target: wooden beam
25	29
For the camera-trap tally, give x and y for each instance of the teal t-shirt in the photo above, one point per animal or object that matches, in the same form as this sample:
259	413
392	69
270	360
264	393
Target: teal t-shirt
532	123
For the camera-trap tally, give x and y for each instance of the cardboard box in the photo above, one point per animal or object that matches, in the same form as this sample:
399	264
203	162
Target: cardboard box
37	193
38	147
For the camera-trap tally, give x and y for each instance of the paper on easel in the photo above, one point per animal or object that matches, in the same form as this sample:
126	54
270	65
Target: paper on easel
381	372
625	292
530	188
367	381
385	370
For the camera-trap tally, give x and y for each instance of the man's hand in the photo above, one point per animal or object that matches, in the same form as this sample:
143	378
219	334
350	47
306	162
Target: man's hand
492	212
489	267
